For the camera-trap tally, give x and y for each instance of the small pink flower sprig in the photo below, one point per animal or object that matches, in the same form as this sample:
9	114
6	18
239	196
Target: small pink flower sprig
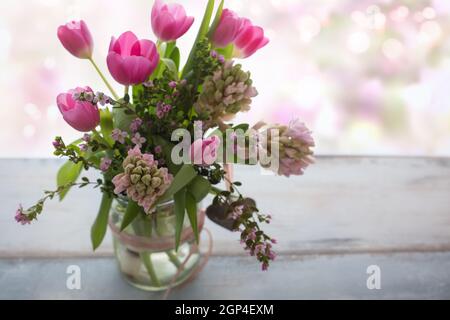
241	214
247	217
26	216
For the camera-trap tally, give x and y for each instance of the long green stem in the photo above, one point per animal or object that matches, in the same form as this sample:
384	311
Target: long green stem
147	260
174	258
171	254
99	137
104	79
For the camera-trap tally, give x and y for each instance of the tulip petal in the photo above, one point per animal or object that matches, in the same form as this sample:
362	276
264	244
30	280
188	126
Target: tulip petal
177	11
115	65
83	117
156	8
250	39
165	27
62	103
185	26
144	48
138	69
125	43
87	36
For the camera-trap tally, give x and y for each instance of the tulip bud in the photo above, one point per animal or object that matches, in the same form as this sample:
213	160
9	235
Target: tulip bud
77	39
249	40
169	21
83	116
131	61
227	30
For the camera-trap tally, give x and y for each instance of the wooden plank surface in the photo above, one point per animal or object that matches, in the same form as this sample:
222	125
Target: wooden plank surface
341	205
345	214
403	276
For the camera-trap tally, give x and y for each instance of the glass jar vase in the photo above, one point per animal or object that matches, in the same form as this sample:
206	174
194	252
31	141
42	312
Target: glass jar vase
145	250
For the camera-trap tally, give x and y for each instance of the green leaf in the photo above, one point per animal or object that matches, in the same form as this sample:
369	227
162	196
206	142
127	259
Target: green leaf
95	158
182	178
171	66
175	57
204	28
137	90
122	120
106	125
98	229
199	188
216	20
167	151
68	173
191	208
130	214
180	207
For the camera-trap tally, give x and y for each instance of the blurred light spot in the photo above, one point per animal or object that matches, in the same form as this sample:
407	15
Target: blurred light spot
309	27
359	18
327	120
363	133
49	63
33	111
430	31
52	112
392	49
417	96
375	18
358	42
29	131
418	17
399	14
429	13
310	91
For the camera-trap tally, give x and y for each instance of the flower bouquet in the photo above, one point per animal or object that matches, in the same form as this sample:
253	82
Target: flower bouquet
169	141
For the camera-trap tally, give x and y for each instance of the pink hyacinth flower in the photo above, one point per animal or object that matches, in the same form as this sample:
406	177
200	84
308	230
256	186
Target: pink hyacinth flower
83	116
249	40
131	61
169	21
76	38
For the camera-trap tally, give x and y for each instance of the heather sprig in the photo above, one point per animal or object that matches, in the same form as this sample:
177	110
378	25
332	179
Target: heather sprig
238	213
26	216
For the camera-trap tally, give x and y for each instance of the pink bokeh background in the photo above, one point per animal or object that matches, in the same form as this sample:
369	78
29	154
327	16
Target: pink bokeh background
368	77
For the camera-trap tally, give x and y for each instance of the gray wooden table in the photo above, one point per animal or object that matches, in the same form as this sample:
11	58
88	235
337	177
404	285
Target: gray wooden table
344	215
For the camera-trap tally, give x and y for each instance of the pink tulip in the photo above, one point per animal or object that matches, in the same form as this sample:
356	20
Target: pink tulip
249	40
228	29
81	115
131	61
169	21
77	39
204	152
